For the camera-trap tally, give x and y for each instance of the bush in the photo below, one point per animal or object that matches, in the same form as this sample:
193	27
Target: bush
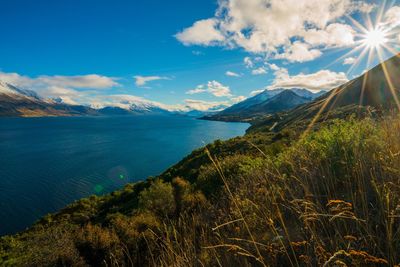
99	246
158	198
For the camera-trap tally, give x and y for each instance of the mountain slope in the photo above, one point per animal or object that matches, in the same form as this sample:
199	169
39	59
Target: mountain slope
265	103
283	101
255	100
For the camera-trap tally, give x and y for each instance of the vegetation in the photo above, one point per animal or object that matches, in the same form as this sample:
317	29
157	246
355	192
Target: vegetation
330	197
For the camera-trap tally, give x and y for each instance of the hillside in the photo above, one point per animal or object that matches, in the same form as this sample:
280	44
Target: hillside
265	103
279	196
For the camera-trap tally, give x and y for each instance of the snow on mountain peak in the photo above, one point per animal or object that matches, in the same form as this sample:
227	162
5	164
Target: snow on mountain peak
10	90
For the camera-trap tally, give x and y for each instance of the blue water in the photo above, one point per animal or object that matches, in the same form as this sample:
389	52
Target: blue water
47	163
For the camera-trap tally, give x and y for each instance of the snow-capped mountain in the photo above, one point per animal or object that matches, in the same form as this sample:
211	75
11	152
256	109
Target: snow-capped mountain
12	91
17	102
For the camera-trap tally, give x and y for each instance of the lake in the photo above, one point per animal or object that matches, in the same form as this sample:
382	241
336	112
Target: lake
47	163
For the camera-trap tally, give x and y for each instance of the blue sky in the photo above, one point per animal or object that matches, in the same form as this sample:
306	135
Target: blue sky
183	54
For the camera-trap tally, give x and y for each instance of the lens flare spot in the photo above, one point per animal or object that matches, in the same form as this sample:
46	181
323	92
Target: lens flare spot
98	188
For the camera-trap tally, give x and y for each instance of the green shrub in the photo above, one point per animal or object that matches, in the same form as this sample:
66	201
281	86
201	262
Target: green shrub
158	198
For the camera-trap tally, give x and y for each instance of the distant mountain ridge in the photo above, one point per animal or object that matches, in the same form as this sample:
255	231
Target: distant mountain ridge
285	100
16	102
266	102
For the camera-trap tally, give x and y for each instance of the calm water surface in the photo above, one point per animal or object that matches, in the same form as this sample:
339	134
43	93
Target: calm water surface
47	163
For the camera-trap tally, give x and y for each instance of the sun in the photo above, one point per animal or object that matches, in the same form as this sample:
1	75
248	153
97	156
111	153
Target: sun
375	38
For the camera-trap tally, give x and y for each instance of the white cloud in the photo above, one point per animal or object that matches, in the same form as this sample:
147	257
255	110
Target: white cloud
273	67
364	7
248	62
123	101
232	74
67	95
334	35
199	89
259	71
205	105
197	53
238	99
203	32
349	61
213	87
300	52
91	81
392	16
256	92
321	80
143	80
62	87
217	89
272	26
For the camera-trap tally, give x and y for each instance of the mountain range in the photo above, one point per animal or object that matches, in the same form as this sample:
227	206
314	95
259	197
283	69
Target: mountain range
16	102
266	102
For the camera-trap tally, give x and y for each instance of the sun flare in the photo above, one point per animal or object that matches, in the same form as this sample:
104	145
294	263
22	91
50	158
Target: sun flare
375	38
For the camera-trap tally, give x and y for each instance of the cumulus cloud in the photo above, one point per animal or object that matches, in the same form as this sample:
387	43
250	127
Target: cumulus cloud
143	80
275	27
248	62
213	87
334	35
273	67
202	32
300	52
259	71
232	74
237	99
349	61
392	16
321	80
205	105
